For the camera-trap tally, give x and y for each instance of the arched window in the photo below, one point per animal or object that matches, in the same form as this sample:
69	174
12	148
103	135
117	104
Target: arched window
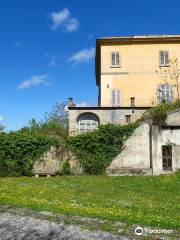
87	122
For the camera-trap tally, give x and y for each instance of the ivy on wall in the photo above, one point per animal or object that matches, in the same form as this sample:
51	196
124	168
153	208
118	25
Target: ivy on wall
96	150
19	151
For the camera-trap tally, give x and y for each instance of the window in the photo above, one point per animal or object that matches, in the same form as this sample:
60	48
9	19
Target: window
116	97
165	93
128	118
115	62
164	58
167	157
87	122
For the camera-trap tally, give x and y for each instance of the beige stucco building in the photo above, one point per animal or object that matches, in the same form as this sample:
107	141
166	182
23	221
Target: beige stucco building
132	74
130	69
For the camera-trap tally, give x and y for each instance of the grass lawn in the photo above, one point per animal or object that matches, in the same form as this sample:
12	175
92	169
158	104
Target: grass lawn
148	201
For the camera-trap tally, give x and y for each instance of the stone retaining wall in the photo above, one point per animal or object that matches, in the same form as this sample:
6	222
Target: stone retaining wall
51	162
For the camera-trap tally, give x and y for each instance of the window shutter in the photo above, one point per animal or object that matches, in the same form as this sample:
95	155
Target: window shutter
113	59
169	92
113	97
117	59
166	58
161	58
118	98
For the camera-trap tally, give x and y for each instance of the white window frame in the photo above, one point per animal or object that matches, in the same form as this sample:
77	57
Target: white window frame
165	92
116	62
165	55
116	97
93	126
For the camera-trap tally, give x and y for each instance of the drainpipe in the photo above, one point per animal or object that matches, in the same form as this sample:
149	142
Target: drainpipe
133	104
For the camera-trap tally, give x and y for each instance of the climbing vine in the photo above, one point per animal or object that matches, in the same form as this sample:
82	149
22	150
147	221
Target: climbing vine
19	151
96	150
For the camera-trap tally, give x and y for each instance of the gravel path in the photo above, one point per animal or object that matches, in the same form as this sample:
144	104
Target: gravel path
16	227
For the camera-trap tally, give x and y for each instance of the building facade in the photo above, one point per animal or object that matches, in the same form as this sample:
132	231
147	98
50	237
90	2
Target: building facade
136	70
85	119
132	74
151	150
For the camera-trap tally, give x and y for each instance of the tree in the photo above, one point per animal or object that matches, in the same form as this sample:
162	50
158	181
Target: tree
55	123
169	74
174	72
59	114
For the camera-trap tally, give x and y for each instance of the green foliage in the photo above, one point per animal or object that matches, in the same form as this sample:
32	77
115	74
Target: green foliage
52	127
159	117
158	114
142	200
58	114
19	151
95	150
55	123
66	168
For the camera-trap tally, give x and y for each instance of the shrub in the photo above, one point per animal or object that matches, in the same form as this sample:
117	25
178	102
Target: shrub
19	151
66	168
96	150
51	127
159	118
158	114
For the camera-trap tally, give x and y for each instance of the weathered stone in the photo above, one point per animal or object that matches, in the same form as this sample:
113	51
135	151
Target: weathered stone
19	228
51	162
142	153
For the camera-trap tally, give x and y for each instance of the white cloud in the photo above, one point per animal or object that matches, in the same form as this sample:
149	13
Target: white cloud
63	19
72	25
53	61
1	118
83	55
34	81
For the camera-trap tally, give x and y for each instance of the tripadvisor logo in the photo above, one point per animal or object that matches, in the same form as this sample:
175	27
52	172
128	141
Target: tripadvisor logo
139	231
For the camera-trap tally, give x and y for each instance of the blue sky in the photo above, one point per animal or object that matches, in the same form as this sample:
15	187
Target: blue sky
47	48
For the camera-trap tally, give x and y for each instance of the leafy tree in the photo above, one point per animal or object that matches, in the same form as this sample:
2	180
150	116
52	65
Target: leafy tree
59	114
55	123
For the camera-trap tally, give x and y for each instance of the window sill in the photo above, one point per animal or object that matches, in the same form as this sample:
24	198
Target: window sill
115	67
164	65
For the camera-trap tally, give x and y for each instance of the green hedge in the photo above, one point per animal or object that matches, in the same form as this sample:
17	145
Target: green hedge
19	151
96	150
